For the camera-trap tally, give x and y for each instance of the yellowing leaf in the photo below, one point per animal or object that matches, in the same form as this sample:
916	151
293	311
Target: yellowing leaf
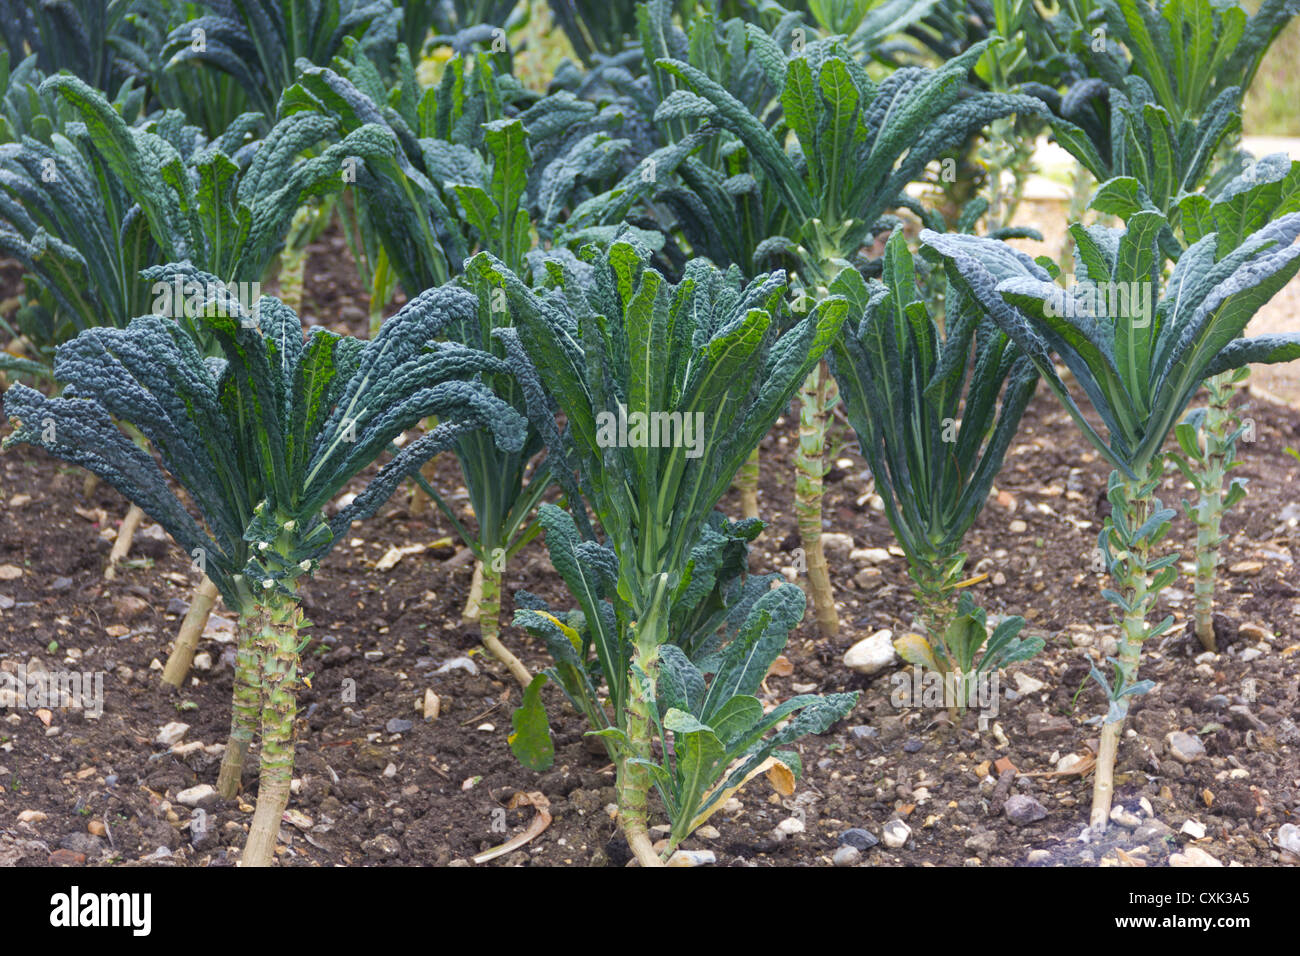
781	778
568	632
915	649
782	781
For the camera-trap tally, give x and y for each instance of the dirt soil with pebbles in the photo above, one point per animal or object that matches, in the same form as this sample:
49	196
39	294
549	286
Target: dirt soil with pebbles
1210	764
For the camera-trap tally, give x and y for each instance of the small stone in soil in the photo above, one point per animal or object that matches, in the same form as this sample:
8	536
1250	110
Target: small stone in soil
895	834
1184	747
398	725
1023	810
1288	837
1152	829
1193	856
458	663
1125	818
847	856
83	844
870	555
913	745
790	826
1026	684
693	858
863	732
872	654
202	795
858	838
982	843
171	733
1038	856
1069	763
382	845
1045	725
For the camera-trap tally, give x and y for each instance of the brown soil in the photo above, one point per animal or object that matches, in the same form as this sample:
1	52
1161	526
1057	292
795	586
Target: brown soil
438	792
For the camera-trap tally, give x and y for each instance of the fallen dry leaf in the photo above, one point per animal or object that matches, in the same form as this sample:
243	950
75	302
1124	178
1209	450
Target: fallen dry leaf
1080	769
767	766
538	824
395	554
781	778
781	667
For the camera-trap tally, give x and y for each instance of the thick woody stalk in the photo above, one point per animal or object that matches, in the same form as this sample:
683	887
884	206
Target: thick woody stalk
1134	580
634	778
747	484
474	602
934	598
245	706
187	640
489	622
276	638
1210	504
307	222
122	543
817	397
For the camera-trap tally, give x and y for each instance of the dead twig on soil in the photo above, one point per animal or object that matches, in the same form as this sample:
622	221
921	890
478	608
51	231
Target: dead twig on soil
535	828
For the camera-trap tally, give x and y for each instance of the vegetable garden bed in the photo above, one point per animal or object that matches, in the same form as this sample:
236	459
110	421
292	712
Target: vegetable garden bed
639	457
451	791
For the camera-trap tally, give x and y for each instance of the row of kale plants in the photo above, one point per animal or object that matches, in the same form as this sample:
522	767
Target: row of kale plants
714	214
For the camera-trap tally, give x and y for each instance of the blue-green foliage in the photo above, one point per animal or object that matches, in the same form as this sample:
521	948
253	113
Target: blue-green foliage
263	438
933	424
608	340
259	42
1140	366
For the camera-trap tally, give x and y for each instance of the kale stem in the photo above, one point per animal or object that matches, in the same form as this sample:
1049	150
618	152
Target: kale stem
1209	507
1133	579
